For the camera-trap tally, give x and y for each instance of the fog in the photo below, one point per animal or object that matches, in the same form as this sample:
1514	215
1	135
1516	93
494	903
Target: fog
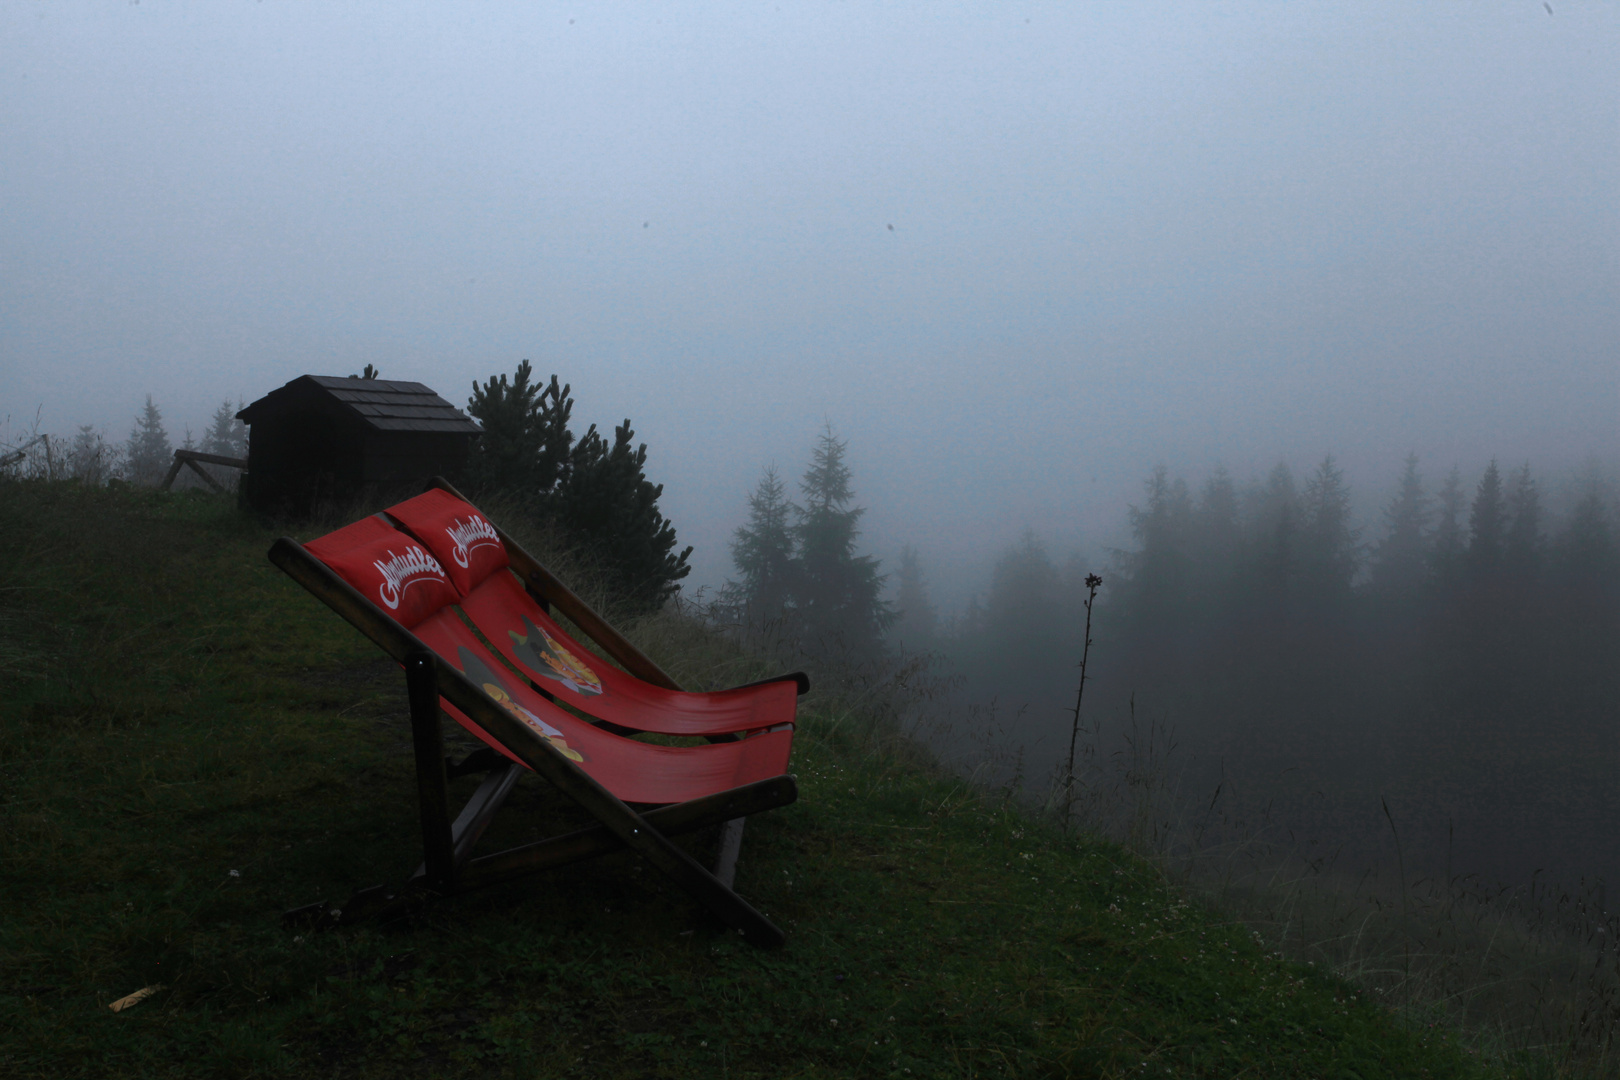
1015	255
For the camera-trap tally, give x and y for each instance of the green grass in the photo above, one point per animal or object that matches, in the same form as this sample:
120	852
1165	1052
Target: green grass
189	745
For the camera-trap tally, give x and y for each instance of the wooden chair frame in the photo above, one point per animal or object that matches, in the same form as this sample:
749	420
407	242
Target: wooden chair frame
447	844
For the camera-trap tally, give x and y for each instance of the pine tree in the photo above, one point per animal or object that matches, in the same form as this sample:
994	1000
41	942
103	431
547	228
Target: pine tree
1523	541
1157	573
1214	543
1275	524
609	508
526	445
763	553
1487	525
1399	562
89	459
226	435
1023	616
838	594
596	494
916	625
149	452
1446	547
1327	542
1586	572
963	632
1217	517
1587	549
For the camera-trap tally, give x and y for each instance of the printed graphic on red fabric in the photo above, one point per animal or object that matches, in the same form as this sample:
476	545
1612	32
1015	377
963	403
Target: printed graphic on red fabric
541	653
456	533
634	771
479	673
509	617
388	568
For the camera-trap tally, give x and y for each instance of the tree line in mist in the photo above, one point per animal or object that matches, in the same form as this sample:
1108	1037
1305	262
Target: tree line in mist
1462	658
1457	662
89	457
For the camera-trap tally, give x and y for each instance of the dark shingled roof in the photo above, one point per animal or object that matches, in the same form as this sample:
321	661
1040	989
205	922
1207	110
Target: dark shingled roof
384	404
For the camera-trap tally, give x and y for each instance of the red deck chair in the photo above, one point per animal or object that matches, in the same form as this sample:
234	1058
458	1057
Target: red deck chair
392	589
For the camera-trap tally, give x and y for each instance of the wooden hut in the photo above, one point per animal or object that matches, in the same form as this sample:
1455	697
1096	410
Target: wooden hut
321	438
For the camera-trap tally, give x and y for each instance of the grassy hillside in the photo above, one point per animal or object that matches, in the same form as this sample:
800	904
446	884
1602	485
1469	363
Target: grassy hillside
189	744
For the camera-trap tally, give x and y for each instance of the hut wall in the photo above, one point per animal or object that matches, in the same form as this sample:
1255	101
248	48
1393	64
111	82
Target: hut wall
296	457
404	456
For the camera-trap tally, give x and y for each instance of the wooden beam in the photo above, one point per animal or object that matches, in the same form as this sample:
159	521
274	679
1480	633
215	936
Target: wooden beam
474	819
174	471
212	459
725	860
209	480
480	809
380	902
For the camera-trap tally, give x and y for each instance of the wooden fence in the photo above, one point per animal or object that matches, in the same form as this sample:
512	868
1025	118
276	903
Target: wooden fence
195	460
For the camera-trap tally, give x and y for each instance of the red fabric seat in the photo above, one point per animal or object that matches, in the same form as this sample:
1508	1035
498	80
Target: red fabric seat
527	637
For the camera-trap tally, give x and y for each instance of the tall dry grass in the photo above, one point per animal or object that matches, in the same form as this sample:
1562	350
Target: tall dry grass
1530	973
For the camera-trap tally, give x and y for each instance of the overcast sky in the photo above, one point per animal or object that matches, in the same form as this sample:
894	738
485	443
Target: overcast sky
1015	253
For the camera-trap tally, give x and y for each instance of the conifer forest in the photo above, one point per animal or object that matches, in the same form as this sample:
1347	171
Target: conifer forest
1443	678
1457	661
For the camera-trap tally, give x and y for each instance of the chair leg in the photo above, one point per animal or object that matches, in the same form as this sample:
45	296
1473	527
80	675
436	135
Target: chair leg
725	859
433	796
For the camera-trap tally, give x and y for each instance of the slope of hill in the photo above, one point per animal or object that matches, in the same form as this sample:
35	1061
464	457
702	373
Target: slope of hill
189	745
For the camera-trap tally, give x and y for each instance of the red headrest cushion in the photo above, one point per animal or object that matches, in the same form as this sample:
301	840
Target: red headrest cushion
460	537
389	568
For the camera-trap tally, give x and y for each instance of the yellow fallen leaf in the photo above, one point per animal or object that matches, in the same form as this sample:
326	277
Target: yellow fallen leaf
136	998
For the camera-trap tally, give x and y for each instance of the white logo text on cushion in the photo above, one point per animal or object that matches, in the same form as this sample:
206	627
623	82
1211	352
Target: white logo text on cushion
476	532
400	572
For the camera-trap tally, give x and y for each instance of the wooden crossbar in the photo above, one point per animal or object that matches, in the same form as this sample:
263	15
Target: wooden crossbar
599	840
